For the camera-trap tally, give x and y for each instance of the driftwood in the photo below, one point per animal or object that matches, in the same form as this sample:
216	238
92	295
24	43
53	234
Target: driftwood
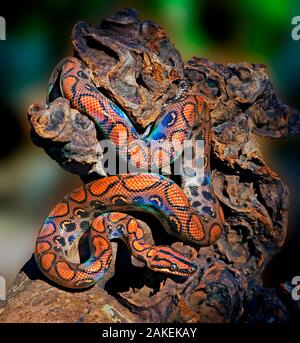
134	63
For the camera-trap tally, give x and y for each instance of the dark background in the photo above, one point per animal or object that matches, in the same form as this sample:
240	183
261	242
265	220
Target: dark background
38	37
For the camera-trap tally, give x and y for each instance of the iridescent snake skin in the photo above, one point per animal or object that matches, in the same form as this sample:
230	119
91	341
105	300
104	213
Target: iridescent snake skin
100	207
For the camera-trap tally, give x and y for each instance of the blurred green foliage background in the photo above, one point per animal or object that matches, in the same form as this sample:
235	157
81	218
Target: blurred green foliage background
38	37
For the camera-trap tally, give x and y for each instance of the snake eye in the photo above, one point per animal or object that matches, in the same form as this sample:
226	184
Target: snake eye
82	74
173	267
194	269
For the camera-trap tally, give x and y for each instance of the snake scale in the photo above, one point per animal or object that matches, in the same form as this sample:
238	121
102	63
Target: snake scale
100	207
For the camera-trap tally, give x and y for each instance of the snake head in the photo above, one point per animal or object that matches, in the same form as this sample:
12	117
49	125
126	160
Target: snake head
166	260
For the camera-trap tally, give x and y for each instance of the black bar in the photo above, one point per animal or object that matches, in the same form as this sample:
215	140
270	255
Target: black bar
148	332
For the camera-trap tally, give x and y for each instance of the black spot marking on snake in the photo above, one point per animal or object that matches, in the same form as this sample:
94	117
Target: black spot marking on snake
61	241
209	211
208	196
71	239
139	200
204	218
96	214
57	249
205	181
81	213
194	191
189	171
91	88
119	200
97	204
156	200
85	225
196	204
68	226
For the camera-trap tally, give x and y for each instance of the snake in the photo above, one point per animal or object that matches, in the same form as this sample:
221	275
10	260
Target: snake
104	207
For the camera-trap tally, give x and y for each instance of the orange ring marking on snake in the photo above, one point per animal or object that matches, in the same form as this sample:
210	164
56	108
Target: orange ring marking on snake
134	228
64	270
221	214
101	186
61	209
189	112
137	156
195	228
116	216
138	246
139	184
47	260
119	134
89	102
159	156
42	247
47	230
78	195
176	197
215	232
176	221
99	244
178	138
98	224
200	104
96	266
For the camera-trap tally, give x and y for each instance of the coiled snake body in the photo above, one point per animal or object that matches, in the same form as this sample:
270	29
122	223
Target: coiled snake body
101	206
